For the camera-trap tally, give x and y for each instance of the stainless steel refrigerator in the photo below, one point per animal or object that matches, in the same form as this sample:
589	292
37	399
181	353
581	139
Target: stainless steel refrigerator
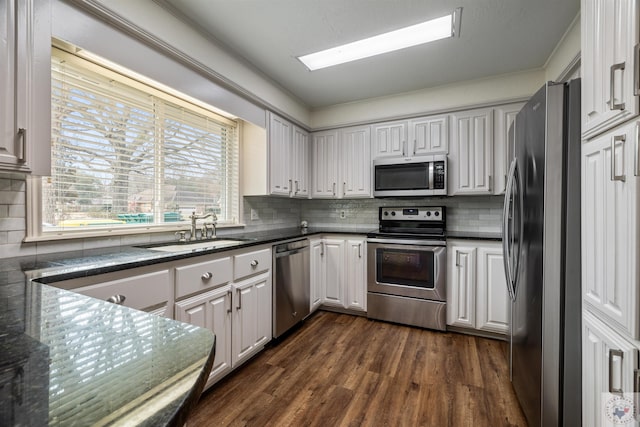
541	243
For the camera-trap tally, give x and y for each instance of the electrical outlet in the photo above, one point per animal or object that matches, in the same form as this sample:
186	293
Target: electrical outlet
343	214
254	215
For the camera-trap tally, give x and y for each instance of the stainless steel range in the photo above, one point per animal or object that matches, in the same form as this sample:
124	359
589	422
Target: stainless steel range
406	267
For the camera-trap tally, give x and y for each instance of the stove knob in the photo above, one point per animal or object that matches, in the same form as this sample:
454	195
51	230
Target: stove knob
437	213
393	213
386	213
428	213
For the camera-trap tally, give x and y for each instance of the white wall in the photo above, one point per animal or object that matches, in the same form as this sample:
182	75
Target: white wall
162	26
509	87
565	53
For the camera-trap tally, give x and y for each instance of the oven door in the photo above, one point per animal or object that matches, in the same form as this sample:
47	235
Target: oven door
409	270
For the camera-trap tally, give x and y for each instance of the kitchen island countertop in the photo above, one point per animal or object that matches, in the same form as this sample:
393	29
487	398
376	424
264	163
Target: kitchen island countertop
67	359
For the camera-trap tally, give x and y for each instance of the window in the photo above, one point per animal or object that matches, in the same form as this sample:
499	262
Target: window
127	155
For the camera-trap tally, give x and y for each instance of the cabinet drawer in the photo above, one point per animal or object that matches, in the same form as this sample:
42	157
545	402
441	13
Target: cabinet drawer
205	275
140	292
251	263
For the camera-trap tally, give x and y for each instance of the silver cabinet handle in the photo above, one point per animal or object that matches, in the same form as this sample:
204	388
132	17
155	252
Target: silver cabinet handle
254	263
414	146
615	386
458	263
116	299
344	189
490	182
290	187
229	296
404	148
614	140
22	134
334	188
207	276
636	70
297	189
321	248
612	86
239	306
359	250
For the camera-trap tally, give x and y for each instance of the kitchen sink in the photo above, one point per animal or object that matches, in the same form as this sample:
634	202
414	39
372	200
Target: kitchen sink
197	245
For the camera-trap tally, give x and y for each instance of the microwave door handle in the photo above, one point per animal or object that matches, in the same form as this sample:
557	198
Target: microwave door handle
431	175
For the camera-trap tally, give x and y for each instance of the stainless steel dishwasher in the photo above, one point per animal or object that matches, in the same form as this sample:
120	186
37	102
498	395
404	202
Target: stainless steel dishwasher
291	287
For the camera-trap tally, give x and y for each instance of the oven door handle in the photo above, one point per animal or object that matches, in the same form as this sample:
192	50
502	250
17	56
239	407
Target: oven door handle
416	242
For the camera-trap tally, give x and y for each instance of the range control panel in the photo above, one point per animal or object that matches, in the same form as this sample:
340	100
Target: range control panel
430	213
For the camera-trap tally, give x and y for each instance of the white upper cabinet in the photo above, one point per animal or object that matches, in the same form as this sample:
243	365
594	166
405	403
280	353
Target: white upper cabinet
408	138
341	163
389	139
300	163
470	160
25	86
325	164
608	65
504	116
279	156
356	161
610	200
288	158
429	135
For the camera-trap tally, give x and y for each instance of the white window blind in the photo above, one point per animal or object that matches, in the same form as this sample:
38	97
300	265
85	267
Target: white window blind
125	154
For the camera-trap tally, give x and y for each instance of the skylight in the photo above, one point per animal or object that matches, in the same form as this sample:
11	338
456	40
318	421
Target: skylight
432	30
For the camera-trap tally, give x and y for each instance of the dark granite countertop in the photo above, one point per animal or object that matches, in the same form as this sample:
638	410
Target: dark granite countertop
67	359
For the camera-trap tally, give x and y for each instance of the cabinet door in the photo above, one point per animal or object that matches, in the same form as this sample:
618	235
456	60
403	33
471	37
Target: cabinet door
355	162
429	135
471	152
356	274
609	71
610	226
502	153
389	139
325	165
25	86
334	286
608	365
212	310
300	163
318	274
280	134
251	316
492	298
461	284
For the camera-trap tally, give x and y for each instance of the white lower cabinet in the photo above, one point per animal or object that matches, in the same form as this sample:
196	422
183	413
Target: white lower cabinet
238	312
317	272
477	295
609	366
212	310
141	289
338	272
251	316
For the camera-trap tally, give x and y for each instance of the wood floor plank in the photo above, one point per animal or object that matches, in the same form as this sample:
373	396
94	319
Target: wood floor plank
341	370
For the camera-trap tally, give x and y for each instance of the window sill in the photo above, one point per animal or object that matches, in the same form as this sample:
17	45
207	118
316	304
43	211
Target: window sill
111	232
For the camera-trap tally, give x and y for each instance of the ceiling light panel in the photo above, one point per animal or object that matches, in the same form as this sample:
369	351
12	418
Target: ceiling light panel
425	32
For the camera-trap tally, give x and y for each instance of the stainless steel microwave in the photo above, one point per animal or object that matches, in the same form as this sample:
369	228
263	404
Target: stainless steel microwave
406	177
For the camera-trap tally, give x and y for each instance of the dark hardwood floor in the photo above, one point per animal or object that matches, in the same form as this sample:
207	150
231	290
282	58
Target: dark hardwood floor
342	370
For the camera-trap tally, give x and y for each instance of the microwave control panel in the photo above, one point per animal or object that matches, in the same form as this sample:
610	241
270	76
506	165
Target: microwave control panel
439	175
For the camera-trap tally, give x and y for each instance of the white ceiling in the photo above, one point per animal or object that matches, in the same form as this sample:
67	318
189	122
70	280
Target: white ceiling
497	37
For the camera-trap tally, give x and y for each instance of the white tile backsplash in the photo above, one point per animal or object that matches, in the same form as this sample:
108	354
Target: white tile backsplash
471	213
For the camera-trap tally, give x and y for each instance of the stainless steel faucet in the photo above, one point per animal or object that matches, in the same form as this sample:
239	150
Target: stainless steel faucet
194	218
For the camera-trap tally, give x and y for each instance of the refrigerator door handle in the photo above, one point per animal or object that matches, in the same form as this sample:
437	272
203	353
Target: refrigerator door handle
636	69
506	249
636	172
